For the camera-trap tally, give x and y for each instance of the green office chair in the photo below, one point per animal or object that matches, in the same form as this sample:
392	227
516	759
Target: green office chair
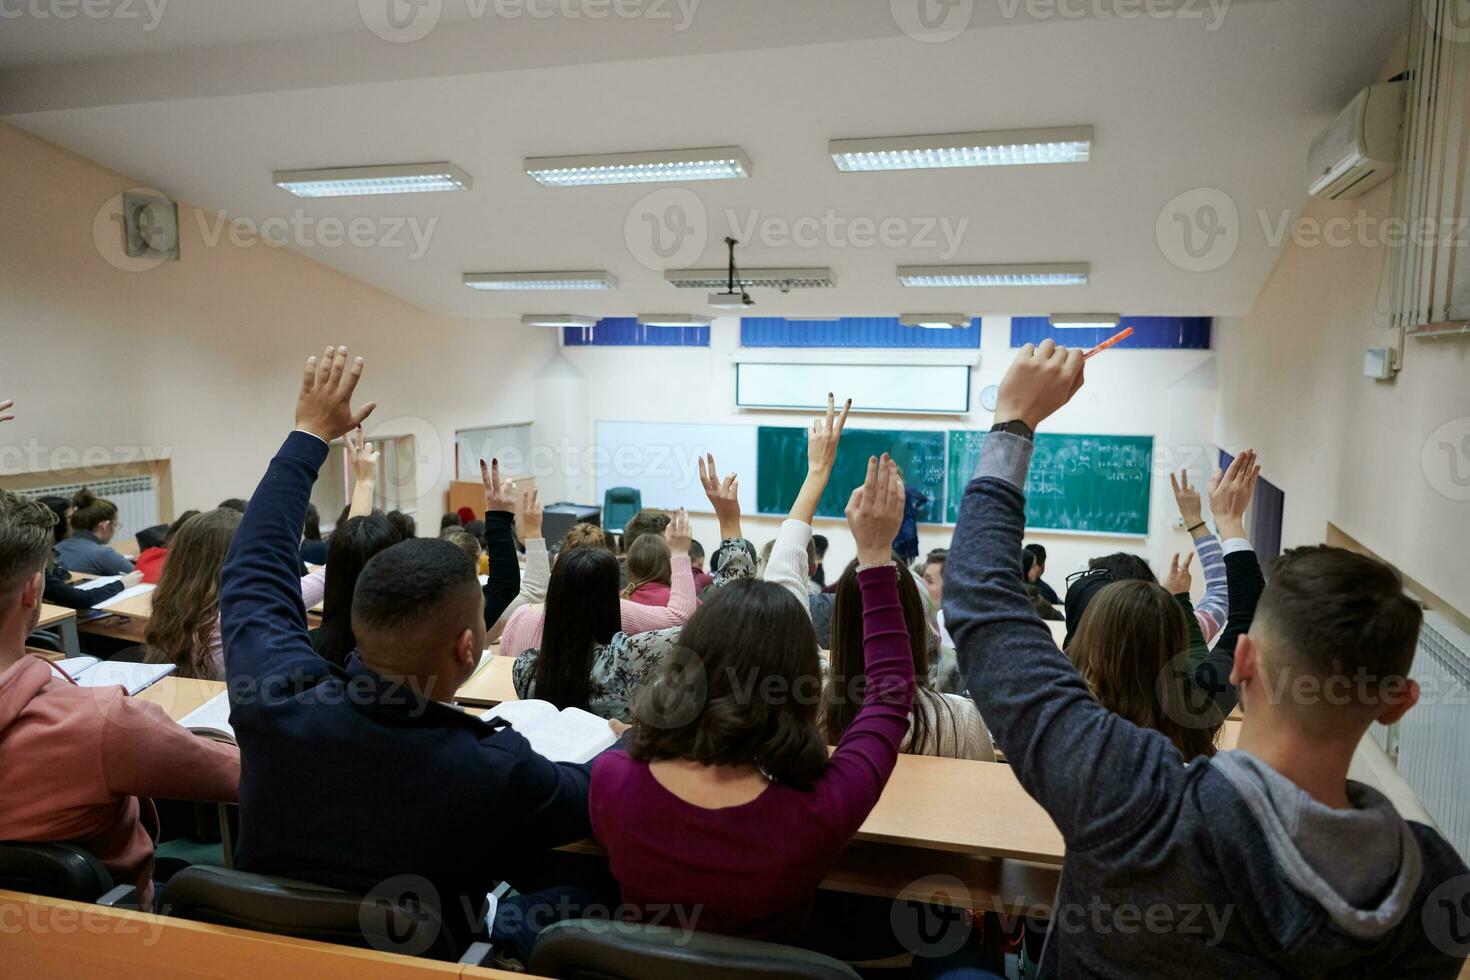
619	506
592	949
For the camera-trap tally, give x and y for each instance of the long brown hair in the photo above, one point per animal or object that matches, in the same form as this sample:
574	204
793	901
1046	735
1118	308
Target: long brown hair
649	561
1126	648
186	602
847	678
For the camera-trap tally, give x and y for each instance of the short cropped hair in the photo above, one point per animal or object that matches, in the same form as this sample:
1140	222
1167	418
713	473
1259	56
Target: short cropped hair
234	503
644	522
26	538
819	541
403	585
1039	551
1338	612
1122	567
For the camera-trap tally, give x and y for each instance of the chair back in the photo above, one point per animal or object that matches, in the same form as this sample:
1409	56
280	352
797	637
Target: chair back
619	506
54	870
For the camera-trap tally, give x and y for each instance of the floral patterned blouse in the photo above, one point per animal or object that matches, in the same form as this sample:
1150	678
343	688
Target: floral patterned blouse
624	663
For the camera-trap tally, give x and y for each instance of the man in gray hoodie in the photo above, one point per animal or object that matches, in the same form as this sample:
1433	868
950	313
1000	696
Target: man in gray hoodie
1262	862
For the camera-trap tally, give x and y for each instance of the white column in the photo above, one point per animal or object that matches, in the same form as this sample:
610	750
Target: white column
560	436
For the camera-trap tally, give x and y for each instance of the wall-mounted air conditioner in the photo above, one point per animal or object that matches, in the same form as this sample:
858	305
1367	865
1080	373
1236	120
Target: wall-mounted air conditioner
1361	148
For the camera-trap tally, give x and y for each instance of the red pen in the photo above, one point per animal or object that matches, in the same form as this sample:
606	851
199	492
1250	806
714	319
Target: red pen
1116	338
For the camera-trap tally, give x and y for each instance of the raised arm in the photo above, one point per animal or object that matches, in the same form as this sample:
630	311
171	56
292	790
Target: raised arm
1214	604
1177	584
537	576
638	618
1230	495
261	612
364	462
504	580
1037	706
790	564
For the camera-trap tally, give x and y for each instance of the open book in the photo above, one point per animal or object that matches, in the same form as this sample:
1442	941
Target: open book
569	735
134	677
211	719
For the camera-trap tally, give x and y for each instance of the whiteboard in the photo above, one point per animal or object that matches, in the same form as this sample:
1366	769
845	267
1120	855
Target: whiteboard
661	461
942	389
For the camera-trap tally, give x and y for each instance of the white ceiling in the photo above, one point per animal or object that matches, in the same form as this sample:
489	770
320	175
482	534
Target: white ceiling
221	93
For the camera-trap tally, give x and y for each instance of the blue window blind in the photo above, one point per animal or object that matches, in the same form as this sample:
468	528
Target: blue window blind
1149	332
853	331
626	332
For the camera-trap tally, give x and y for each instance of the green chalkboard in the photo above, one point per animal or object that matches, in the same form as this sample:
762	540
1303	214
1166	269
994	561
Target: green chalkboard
1090	483
781	467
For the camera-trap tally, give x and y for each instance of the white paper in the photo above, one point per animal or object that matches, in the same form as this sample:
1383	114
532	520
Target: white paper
213	716
134	677
125	595
96	583
570	735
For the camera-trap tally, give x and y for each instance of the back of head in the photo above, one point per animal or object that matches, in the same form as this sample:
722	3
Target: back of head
1038	551
1123	567
649	562
1028	562
412	603
463	540
450	520
644	522
741	688
90	510
1342	620
1125	647
696	550
174	528
233	503
186	602
585	536
407	527
26	540
353	544
820	544
582	609
312	529
476	529
61	507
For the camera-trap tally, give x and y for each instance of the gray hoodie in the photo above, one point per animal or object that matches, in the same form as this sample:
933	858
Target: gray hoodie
1220	868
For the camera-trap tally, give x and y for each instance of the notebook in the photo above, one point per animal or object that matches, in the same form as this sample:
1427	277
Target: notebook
211	719
74	667
125	595
96	583
569	735
134	677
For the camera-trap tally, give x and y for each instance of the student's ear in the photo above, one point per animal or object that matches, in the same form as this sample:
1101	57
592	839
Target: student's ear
465	653
1397	699
1247	659
33	591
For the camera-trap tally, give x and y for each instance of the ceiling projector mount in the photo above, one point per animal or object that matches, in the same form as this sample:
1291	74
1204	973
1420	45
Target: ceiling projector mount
734	297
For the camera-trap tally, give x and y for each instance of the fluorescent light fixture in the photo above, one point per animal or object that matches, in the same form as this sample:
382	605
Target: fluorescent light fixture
935	321
713	163
1096	320
407	178
948	276
514	282
557	320
782	279
674	320
1003	148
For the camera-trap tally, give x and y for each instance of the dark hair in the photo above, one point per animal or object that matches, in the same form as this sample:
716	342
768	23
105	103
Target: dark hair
61	507
731	692
644	522
234	503
935	557
408	528
819	541
450	520
1336	612
696	550
476	529
582	610
1039	550
464	541
354	543
847	674
1123	567
26	537
312	529
173	529
1123	649
649	561
406	583
90	510
1028	562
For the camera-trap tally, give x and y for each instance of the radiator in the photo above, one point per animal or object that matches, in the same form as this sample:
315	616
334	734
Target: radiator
136	498
1429	745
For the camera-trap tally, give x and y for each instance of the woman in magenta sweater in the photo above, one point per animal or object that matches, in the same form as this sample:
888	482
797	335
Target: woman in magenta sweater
726	801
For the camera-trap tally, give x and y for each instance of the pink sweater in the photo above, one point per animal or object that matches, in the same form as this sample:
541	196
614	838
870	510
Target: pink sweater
523	629
82	764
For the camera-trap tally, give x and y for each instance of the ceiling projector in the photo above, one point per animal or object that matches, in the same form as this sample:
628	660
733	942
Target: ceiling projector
730	301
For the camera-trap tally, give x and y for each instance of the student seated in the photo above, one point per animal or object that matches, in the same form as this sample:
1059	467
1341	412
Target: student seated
151	560
93	524
356	774
407	527
450	520
1038	569
946	725
726	800
184	626
702	579
84	764
461	539
819	548
1043	608
646	521
59	589
353	545
650	570
233	503
1263	861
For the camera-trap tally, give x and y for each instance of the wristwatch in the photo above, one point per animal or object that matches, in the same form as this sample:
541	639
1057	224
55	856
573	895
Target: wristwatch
1016	428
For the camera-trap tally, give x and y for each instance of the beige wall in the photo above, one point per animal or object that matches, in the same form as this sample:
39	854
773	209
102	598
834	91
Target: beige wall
199	360
1388	462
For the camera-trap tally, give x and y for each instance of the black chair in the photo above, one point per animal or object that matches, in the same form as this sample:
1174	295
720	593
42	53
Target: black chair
63	871
46	640
151	537
593	949
301	910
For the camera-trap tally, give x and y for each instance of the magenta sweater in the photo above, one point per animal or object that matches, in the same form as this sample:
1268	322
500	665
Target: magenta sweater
751	870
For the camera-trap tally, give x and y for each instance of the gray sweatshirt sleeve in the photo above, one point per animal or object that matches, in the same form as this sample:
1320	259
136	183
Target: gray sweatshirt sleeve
1097	775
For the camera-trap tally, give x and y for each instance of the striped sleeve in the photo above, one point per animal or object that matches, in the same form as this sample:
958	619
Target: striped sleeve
1214	606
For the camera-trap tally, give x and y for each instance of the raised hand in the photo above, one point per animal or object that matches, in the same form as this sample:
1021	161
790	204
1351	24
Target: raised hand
530	514
1041	380
875	511
363	458
724	496
1187	497
5	405
1178	580
324	406
500	495
1231	492
678	534
824	435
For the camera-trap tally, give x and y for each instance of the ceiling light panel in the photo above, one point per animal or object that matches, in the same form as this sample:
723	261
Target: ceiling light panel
714	163
408	178
1016	147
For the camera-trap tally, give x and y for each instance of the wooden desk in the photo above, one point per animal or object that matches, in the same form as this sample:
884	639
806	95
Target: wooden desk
64	622
491	685
128	620
178	696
